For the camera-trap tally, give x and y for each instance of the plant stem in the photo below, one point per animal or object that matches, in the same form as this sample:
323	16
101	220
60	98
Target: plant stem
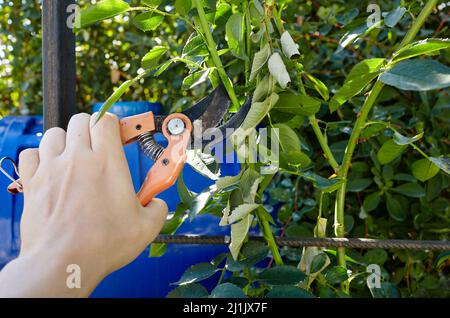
268	235
359	125
248	42
323	143
212	47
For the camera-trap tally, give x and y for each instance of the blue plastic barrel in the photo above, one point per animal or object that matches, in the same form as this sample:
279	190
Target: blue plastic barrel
144	277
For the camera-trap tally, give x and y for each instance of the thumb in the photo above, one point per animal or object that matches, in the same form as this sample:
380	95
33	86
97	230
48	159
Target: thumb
154	216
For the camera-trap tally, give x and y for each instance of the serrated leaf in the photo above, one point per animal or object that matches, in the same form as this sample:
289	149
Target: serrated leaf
417	75
359	77
152	58
278	70
148	21
426	46
102	10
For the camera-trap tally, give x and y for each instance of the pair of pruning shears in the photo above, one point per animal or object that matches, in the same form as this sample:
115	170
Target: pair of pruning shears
178	128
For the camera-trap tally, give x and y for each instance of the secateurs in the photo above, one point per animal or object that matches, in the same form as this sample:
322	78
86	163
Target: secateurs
178	128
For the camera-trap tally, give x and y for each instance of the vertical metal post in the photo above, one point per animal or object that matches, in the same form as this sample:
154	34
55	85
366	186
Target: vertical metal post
58	63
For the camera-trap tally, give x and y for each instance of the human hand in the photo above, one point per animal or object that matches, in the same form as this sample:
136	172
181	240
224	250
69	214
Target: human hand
79	208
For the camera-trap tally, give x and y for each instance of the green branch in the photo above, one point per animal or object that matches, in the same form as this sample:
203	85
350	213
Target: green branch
212	47
359	125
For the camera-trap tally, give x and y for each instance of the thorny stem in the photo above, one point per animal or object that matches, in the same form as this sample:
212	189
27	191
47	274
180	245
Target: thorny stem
359	125
212	47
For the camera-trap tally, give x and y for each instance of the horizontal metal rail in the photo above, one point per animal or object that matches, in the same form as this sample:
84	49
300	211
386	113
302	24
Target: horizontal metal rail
363	243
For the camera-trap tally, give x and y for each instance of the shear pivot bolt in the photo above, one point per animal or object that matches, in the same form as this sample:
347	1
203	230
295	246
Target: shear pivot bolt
176	126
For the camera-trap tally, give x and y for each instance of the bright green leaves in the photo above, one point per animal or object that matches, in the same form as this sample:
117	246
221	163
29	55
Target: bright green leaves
358	78
114	98
427	46
297	104
152	3
235	35
424	169
148	21
183	6
417	75
102	10
287	138
151	59
389	151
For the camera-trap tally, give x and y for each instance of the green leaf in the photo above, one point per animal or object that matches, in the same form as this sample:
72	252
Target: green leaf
148	21
417	75
239	232
402	140
412	190
235	35
372	201
442	162
183	6
196	273
254	252
195	46
288	292
151	59
188	291
102	10
242	211
319	263
157	249
227	290
249	185
183	192
195	79
294	159
336	275
278	70
114	98
358	185
297	104
426	46
287	138
393	17
359	77
152	3
375	256
281	275
387	290
319	86
424	169
258	111
260	60
395	209
389	151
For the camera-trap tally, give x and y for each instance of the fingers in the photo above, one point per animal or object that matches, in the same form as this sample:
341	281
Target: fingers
155	214
78	135
28	164
52	144
105	134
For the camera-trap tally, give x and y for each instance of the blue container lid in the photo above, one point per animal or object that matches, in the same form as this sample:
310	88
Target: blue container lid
124	109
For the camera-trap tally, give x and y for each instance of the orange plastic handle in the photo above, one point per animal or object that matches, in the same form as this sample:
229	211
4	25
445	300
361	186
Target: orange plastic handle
167	168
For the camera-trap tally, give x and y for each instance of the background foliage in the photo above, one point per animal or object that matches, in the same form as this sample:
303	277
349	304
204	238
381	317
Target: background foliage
393	189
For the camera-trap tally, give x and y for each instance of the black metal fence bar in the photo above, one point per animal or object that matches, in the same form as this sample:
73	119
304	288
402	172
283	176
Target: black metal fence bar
317	242
58	63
